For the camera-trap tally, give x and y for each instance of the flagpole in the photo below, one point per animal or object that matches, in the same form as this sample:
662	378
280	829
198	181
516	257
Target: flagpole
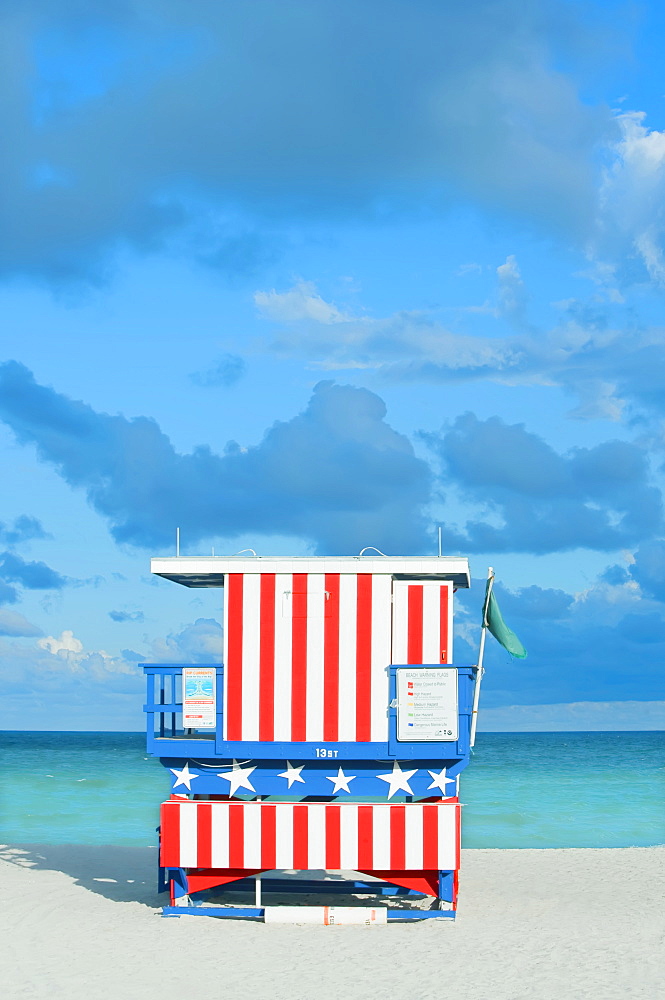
481	655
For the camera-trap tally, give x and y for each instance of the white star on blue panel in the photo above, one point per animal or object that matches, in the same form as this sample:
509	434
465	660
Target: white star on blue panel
184	777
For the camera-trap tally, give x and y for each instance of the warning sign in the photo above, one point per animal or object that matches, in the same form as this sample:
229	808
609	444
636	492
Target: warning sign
199	710
427	708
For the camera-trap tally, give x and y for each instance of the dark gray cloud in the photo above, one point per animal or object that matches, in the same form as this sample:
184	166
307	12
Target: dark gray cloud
127	616
131	656
615	575
226	371
291	108
644	629
648	570
32	575
606	644
538	603
336	474
8	594
541	501
24	529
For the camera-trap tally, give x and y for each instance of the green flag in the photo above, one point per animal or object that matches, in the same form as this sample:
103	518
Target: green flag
493	620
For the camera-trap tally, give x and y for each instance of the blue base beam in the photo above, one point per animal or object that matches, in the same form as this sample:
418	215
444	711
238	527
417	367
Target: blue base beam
257	912
213	911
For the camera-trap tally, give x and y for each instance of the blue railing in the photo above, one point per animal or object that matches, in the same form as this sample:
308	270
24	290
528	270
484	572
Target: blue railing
163	707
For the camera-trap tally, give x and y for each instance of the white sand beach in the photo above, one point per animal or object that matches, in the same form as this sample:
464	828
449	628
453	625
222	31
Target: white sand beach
84	922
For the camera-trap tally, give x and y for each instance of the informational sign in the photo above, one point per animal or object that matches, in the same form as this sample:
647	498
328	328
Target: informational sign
199	710
427	704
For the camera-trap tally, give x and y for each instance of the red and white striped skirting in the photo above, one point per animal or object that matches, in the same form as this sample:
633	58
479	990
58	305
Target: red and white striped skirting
311	835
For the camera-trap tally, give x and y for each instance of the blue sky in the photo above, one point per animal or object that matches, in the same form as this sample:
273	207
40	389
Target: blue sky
310	276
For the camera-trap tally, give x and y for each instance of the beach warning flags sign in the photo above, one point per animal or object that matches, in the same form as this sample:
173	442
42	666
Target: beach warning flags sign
493	621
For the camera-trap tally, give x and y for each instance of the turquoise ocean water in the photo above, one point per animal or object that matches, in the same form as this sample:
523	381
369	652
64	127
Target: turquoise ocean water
520	790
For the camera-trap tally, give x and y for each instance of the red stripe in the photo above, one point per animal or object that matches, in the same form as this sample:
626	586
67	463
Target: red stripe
443	638
236	835
204	835
234	588
365	837
414	652
333	840
300	828
268	836
430	837
397	837
299	657
331	658
364	659
267	659
169	855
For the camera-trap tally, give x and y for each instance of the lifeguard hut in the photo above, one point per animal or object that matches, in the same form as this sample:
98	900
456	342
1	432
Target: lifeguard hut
331	737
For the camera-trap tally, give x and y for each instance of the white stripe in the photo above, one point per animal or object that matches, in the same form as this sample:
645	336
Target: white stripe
447	848
188	852
315	624
381	656
316	836
348	608
348	829
251	626
220	835
283	635
252	835
400	621
284	835
431	623
381	837
413	855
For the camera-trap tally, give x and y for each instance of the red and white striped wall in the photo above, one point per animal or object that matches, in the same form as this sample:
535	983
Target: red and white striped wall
306	654
313	835
422	622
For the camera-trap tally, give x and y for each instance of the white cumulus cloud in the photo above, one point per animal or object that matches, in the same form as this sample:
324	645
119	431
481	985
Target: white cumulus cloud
302	302
66	645
632	194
